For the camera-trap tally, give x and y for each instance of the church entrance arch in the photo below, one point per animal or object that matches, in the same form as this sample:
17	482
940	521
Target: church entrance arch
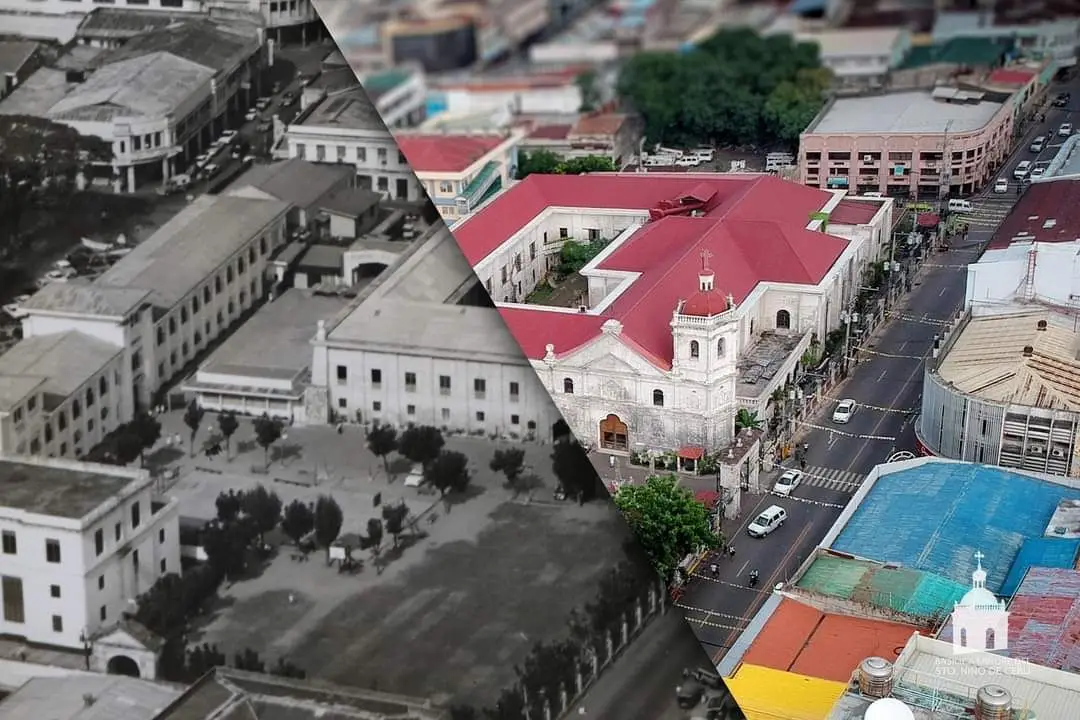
560	430
123	665
614	434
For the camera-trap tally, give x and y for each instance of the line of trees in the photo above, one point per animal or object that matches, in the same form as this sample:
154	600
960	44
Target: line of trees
445	470
128	442
736	89
545	162
268	430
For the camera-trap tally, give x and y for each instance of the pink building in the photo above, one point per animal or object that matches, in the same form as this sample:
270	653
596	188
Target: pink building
925	144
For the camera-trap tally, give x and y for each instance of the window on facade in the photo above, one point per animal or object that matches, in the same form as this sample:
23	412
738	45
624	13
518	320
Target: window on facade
8	543
240	265
361	154
564	233
160	335
480	416
206	296
164	567
103	385
410	409
658	398
515	390
172	326
410	381
446	186
320	153
342	403
568	386
376	377
103	613
183	315
262	245
48	432
342	373
11	591
99	541
136	515
376	406
695	349
76	409
118	531
57	624
218	283
720	347
515	420
54	591
444	384
783	320
480	387
52	551
341	153
89	397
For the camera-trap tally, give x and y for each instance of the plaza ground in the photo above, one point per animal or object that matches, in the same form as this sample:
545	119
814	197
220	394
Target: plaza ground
453	611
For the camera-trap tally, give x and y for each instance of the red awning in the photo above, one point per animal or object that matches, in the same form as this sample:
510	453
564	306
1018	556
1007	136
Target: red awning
691	453
928	220
708	498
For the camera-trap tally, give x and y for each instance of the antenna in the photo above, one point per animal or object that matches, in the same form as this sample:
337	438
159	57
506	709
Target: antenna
706	255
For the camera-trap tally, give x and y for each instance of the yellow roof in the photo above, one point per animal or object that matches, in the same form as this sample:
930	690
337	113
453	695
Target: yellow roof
767	694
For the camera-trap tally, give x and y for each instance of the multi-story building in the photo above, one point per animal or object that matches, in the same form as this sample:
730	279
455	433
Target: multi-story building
616	136
651	344
78	543
544	92
926	144
342	126
94	352
423	345
461	171
1042	34
860	57
158	100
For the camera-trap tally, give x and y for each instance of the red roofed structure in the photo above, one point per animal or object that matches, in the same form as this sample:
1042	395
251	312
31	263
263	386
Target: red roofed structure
446	153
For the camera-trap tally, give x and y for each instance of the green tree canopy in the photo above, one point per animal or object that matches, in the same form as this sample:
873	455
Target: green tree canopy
666	520
735	89
545	162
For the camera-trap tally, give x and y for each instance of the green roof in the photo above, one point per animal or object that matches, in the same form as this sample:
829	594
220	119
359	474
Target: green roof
973	51
911	592
385	81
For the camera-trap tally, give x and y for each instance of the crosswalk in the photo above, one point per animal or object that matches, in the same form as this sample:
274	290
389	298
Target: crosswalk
830	479
989	212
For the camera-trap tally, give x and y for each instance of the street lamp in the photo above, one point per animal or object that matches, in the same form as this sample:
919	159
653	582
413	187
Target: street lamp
87	647
849	318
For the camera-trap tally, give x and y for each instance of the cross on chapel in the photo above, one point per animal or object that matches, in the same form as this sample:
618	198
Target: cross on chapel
706	255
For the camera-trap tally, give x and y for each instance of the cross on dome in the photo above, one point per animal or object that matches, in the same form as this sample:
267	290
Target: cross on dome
978	578
706	256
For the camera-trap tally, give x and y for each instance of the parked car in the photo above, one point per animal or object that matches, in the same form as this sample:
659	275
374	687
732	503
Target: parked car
251	115
1062	99
1038	144
288	98
226	137
1002	185
1065	130
1022	169
769	520
689	694
843	412
787	483
14	308
1037	172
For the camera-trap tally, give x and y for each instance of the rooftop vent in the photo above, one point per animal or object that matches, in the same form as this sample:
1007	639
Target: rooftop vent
993	702
1028	351
1041	325
1049	223
875	677
888	709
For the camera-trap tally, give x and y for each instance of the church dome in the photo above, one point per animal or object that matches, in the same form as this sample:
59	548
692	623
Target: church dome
707	301
979	598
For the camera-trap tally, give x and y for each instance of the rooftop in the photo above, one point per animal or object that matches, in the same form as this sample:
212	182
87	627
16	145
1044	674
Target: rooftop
1041	553
1046	212
851	42
852	211
192	245
350	202
938	514
430	271
295	181
987	359
967	51
450	153
84	298
757	223
593	124
901	112
37	94
379	83
1011	76
803	640
910	593
540	80
276	341
215	46
64	361
64	698
235	695
66	490
758	364
767	694
550	132
1044	619
14	54
126	22
345	109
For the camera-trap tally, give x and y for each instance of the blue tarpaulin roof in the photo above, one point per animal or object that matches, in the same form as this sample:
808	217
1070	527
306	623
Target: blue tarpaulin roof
1040	552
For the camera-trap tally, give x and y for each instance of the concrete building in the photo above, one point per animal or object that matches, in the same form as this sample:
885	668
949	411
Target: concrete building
94	352
460	172
545	91
1054	39
660	347
18	60
227	693
65	698
921	144
398	93
79	543
159	99
616	136
860	57
422	345
344	127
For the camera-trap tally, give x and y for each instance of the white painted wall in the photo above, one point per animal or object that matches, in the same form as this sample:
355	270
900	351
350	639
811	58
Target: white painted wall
374	154
999	276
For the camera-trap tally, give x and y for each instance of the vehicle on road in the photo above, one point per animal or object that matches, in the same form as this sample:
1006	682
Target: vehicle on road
959	205
1022	169
210	170
226	137
1038	144
250	115
689	694
688	161
843	412
787	483
768	521
1062	99
1002	185
706	677
263	103
1065	130
705	154
288	98
14	308
265	126
1037	172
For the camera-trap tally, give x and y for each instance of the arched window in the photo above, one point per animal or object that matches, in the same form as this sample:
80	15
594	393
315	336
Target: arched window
568	386
783	320
991	641
720	346
695	349
658	398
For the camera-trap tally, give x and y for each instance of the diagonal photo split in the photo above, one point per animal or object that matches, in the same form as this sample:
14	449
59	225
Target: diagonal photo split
267	448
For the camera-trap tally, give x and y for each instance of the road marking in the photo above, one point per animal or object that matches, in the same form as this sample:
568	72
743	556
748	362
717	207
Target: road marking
902	345
882	375
743	568
943	291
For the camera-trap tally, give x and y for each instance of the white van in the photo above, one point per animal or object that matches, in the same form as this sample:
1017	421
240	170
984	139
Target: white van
770	519
959	206
1022	169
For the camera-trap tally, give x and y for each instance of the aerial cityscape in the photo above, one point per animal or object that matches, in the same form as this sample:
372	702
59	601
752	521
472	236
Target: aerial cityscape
519	361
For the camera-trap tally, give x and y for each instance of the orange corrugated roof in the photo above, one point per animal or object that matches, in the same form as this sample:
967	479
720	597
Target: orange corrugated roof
801	639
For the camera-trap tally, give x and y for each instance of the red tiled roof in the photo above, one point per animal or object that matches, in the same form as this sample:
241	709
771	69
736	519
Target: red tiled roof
705	303
1015	76
801	639
1044	619
445	153
753	225
599	124
550	132
854	212
1058	200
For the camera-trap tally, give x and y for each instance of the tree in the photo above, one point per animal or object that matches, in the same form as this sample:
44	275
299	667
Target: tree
747	420
463	712
668	522
126	445
148	429
162	608
421	444
382	440
738	88
373	540
590	91
226	546
510	462
576	474
202	659
540	162
586	164
229	504
267	432
297	521
328	519
263	507
284	668
248	660
526	484
449	472
228	425
394	517
193	419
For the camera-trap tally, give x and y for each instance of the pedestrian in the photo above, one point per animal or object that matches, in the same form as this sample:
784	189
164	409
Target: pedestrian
802	463
715	570
731	551
340	428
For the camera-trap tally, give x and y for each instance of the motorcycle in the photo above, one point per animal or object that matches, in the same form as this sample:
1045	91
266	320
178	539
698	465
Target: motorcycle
753	578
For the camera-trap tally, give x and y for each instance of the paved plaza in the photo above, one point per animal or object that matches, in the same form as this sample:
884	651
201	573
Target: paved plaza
451	613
